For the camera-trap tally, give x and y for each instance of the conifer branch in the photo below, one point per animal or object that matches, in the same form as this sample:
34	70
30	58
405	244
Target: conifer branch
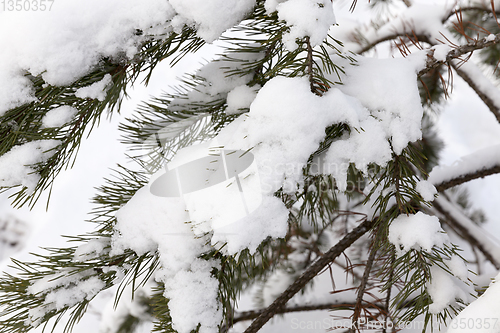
309	274
467	177
465	232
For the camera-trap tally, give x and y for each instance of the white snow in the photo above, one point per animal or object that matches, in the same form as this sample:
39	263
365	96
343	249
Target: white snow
68	41
16	166
240	98
441	51
210	17
63	289
458	267
426	190
482	315
445	289
83	289
418	231
311	18
59	116
271	5
96	90
393	99
278	128
91	249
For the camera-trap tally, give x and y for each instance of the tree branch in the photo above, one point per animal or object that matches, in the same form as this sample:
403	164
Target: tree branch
467	177
479	88
457	52
308	275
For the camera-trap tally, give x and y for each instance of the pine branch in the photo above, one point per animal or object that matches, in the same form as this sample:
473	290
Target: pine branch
309	274
479	89
467	177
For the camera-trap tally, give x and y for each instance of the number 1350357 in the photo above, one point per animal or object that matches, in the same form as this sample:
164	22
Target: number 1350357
26	5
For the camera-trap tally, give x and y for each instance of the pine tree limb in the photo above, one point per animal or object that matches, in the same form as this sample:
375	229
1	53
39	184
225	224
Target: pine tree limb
362	289
309	274
467	177
252	314
457	52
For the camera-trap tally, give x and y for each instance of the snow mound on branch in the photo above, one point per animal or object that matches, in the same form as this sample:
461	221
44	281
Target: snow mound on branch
59	116
16	166
311	18
240	98
426	190
285	126
67	42
269	220
388	88
210	17
96	90
286	122
63	289
419	231
445	289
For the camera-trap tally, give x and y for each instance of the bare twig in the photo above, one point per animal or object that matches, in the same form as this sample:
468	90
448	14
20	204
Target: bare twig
466	233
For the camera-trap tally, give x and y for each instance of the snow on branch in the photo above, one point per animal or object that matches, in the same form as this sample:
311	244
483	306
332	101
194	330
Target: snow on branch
476	236
479	164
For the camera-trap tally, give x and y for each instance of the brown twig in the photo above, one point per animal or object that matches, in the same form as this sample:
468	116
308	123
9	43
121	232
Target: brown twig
362	288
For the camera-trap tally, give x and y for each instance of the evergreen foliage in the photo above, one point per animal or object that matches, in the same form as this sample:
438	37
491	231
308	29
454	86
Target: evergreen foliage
386	286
